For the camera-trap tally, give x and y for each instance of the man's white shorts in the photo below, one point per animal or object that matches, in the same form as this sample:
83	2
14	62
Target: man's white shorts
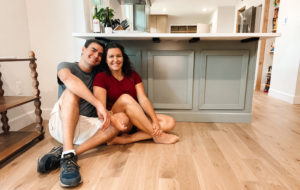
86	126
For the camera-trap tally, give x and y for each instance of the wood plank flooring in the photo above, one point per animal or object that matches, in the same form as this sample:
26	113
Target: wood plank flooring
262	155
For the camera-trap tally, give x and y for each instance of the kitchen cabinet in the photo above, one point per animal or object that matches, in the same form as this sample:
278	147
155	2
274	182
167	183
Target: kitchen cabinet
209	80
158	23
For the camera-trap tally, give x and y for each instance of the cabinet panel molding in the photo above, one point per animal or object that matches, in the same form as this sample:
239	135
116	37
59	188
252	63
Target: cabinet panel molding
223	79
170	78
136	60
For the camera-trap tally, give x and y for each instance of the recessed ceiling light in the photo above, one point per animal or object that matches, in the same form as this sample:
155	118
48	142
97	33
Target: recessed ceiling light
204	9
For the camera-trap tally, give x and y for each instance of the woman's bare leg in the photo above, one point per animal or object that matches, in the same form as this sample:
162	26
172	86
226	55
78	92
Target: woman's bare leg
137	116
167	123
127	139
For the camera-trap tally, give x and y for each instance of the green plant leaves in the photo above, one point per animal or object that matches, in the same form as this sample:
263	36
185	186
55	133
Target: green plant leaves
102	14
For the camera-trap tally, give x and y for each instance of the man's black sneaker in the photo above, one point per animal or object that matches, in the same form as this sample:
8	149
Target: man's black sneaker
69	171
50	161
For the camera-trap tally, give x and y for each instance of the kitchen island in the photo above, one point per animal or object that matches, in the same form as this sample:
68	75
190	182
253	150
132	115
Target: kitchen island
194	77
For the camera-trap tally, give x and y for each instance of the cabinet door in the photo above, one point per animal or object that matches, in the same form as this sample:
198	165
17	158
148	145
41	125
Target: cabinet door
153	24
223	79
170	79
161	24
135	59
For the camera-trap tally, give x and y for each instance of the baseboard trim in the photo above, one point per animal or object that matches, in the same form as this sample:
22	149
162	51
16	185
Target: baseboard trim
46	113
297	100
210	117
20	121
25	119
282	96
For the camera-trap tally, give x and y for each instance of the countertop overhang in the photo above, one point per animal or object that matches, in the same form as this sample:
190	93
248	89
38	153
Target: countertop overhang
169	36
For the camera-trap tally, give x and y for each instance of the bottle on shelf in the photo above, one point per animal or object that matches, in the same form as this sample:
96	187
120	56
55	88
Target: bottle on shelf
272	48
96	21
275	16
107	23
268	81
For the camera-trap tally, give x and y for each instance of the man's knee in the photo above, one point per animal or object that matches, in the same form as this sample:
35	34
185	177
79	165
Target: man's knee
70	97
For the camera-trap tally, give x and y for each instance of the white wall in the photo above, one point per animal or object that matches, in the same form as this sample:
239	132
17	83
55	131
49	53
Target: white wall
214	21
226	17
15	41
51	25
45	27
188	19
285	74
222	20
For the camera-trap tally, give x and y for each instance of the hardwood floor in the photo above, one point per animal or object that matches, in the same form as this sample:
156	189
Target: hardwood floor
262	155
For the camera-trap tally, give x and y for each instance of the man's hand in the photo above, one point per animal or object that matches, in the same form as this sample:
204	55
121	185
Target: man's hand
105	115
156	129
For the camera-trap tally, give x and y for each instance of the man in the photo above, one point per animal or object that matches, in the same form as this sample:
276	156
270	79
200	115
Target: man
75	117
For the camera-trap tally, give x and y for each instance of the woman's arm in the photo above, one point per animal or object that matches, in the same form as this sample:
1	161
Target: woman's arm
147	107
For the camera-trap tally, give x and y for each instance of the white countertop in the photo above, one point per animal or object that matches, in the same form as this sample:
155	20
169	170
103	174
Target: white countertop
169	36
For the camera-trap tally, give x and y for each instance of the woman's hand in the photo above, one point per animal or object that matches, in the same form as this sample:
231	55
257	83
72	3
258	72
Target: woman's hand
156	129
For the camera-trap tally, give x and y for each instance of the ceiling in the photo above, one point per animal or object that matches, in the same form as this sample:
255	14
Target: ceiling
188	7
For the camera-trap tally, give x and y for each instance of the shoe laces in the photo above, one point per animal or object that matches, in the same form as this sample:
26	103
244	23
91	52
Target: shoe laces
56	150
70	163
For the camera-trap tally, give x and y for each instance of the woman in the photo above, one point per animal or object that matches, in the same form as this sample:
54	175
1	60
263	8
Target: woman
120	89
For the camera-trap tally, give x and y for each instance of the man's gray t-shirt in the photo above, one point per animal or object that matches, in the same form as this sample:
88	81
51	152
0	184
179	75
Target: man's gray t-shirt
85	108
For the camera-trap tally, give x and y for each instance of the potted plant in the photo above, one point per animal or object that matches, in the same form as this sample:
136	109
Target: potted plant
105	16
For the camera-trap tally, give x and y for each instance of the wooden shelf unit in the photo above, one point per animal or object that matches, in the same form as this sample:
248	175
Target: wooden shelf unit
183	29
13	141
7	102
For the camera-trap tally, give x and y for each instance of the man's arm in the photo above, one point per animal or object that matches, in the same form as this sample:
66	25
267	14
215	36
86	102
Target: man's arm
76	86
120	124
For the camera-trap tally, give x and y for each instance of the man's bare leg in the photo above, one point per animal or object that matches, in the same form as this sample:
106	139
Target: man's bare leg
98	138
137	117
102	136
69	114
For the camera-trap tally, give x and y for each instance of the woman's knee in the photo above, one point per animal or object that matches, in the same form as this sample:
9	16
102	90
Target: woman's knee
122	102
126	98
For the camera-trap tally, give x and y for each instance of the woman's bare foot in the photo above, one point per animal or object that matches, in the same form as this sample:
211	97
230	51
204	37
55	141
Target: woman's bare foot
123	139
166	138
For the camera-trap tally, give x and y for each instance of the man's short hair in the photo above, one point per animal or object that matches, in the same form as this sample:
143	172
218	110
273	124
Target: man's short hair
88	42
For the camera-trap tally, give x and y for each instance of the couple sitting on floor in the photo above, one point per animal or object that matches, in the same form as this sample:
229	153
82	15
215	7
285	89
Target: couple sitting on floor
100	107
